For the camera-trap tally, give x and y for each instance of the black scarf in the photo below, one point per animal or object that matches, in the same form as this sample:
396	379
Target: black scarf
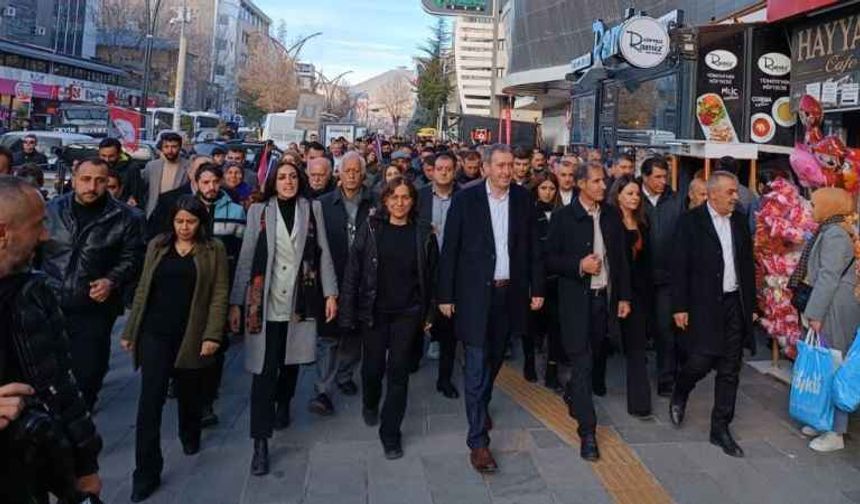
309	297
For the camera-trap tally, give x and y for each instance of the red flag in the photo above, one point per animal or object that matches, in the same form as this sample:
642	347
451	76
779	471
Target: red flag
127	123
263	168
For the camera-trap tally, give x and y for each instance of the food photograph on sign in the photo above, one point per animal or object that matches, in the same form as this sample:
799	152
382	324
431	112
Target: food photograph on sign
714	119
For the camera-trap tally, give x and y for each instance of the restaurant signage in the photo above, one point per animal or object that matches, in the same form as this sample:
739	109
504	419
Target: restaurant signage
826	61
720	98
771	119
643	42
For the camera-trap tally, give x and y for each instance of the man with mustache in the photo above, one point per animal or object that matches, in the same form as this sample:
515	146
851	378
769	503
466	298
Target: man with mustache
93	253
165	173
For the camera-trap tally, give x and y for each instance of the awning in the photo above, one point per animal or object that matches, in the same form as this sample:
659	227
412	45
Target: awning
542	83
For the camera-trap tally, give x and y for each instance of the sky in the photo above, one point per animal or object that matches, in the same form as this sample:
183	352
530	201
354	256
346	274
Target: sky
366	36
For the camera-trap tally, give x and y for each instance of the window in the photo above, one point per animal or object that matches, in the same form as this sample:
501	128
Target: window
650	106
582	120
219	70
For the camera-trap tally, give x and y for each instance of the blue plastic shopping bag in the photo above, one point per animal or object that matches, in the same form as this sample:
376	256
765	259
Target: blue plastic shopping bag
846	381
811	401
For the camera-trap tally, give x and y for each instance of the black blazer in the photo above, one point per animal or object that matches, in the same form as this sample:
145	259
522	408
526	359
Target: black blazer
697	279
425	202
469	256
337	223
571	238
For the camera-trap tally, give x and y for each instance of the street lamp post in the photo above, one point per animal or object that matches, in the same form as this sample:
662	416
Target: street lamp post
151	19
182	18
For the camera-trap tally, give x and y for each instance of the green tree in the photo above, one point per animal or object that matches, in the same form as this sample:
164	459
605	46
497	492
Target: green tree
433	84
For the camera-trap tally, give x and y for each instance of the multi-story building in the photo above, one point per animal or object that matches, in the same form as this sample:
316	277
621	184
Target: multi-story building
473	60
63	26
306	74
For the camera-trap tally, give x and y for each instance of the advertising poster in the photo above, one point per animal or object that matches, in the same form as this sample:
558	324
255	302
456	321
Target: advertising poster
772	119
720	85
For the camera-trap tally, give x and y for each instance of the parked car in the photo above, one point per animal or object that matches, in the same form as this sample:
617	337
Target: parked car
49	142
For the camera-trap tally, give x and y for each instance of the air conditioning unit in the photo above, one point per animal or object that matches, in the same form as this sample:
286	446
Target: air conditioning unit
9	11
40	30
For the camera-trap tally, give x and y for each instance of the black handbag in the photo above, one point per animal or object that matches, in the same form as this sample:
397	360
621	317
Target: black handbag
801	292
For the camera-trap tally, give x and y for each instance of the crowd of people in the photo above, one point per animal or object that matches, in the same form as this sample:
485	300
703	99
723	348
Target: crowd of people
345	258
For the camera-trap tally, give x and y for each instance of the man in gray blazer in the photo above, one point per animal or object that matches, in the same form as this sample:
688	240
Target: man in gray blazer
166	173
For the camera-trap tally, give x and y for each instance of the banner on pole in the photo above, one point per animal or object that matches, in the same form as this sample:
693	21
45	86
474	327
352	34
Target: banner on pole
127	124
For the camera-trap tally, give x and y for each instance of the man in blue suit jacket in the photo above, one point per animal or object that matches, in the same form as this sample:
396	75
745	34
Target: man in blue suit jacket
490	273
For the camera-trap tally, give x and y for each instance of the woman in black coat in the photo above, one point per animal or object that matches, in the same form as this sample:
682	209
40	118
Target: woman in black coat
387	291
544	322
626	196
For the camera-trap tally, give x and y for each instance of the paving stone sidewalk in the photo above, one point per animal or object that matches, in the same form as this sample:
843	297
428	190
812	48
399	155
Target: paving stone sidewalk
339	460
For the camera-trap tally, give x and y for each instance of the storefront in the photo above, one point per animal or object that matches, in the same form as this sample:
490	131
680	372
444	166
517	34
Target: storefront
697	93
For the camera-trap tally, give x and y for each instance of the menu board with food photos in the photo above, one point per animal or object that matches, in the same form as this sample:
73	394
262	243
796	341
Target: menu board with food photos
771	119
720	84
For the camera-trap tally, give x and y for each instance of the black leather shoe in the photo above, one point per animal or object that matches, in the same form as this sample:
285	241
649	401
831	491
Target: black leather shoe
260	462
529	372
665	390
191	447
208	418
393	452
142	491
348	388
282	416
550	379
677	409
370	416
321	405
448	390
588	448
723	438
599	389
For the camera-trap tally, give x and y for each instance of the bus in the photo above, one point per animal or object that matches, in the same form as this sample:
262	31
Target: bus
84	118
161	118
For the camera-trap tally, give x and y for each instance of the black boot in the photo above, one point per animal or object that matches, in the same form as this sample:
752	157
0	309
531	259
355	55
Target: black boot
550	379
529	372
282	416
260	462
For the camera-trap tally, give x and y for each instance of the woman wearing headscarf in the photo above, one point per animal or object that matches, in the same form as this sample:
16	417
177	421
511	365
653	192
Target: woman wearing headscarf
283	273
828	265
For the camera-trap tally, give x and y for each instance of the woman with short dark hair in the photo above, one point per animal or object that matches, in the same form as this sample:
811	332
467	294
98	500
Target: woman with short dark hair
387	290
174	329
285	279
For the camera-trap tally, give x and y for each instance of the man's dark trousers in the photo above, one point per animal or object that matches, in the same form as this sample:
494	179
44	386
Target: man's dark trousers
89	337
669	350
579	389
443	333
727	366
483	364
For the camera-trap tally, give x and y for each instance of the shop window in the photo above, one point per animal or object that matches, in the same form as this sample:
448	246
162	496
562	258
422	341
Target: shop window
647	110
582	120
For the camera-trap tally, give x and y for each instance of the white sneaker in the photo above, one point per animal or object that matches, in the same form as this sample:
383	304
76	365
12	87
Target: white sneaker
433	350
827	442
808	431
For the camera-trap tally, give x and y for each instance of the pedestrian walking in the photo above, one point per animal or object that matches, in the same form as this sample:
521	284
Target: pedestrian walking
626	197
285	278
339	349
387	290
174	329
663	208
434	202
829	267
166	173
490	273
713	299
29	153
235	185
544	323
93	254
586	249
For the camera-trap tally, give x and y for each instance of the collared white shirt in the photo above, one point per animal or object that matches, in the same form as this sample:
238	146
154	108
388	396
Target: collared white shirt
499	211
723	225
566	197
439	216
653	198
600	280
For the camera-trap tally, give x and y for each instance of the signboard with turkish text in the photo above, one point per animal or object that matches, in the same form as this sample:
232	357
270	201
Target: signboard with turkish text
335	131
720	77
644	42
781	9
771	118
458	7
826	61
308	112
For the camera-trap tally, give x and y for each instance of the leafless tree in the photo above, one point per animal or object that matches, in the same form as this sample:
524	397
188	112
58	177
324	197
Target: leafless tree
268	76
396	98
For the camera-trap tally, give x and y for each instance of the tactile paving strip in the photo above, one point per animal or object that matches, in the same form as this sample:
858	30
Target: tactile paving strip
619	469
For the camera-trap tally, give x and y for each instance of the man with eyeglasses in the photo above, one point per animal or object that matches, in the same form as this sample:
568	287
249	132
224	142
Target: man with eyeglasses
29	154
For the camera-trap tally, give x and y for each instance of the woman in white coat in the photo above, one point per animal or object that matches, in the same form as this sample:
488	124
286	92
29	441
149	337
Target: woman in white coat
285	278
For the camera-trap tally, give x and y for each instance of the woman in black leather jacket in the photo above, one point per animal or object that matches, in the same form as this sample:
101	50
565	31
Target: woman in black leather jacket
387	291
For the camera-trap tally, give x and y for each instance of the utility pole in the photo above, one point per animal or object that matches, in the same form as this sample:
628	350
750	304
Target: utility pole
151	19
180	66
